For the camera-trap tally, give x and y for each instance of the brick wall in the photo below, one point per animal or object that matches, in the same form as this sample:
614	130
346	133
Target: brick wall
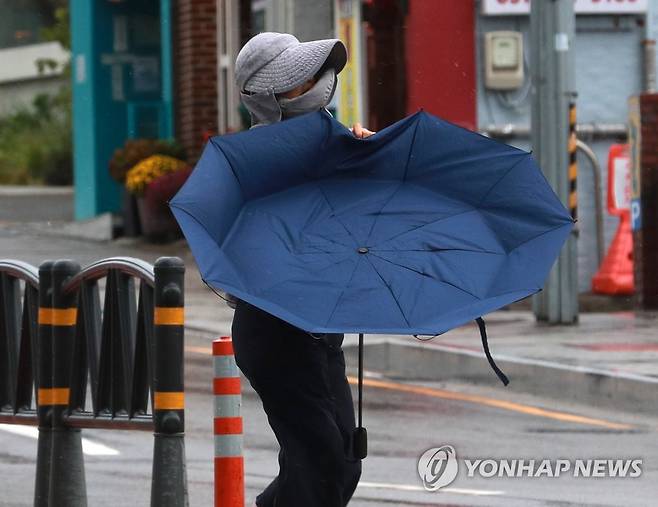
195	71
645	239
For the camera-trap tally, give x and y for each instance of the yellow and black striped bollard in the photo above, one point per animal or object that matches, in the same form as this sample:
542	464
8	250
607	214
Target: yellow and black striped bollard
169	486
57	319
573	165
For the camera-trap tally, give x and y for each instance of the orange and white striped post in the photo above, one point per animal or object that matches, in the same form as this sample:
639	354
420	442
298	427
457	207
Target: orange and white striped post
229	461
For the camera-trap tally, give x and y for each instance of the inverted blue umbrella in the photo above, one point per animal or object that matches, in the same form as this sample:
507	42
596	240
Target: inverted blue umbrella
415	230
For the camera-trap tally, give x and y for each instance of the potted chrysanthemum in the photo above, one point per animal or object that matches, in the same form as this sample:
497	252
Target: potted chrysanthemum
125	158
154	181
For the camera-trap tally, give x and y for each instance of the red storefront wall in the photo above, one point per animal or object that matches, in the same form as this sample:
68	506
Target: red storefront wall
440	57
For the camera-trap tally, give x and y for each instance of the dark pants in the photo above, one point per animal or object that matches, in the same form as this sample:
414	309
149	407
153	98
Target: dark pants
301	382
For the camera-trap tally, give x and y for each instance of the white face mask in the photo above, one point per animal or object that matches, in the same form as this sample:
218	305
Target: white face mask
312	100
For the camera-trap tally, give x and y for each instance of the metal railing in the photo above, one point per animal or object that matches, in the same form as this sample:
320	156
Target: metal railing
114	352
18	341
617	131
68	363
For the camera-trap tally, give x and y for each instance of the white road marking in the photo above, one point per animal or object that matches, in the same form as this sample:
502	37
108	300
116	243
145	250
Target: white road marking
411	487
261	480
24	431
89	447
372	374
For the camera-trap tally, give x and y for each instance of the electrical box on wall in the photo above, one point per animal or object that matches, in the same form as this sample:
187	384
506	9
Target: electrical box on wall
503	60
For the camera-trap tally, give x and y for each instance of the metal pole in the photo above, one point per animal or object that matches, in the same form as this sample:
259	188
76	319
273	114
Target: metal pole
67	476
227	423
552	29
169	483
598	204
360	437
649	53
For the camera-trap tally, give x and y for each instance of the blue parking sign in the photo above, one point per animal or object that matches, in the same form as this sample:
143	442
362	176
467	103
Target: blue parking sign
636	215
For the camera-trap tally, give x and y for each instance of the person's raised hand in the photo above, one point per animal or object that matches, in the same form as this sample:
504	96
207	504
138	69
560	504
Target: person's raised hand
359	131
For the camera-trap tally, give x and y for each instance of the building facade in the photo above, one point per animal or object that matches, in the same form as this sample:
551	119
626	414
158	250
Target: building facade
404	55
22	46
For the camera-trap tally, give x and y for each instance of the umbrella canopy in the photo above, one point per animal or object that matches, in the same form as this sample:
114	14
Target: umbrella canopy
415	230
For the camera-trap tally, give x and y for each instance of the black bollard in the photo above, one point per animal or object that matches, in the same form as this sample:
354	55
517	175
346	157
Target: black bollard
67	475
169	482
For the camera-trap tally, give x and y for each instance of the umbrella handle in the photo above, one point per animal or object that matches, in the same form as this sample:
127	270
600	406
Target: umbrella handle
360	443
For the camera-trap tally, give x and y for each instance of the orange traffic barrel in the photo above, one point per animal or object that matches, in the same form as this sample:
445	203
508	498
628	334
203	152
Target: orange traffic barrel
229	460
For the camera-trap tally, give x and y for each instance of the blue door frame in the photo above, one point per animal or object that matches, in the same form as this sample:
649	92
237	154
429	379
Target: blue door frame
101	120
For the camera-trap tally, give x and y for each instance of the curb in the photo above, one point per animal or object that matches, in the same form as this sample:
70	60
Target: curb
400	359
28	191
98	229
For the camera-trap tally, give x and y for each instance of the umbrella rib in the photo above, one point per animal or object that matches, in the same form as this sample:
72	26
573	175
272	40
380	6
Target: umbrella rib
309	223
293	280
411	149
404	178
235	175
208	233
389	290
335	215
425	225
329	240
379	213
319	251
436	250
502	177
274	215
427	276
538	236
342	292
467	160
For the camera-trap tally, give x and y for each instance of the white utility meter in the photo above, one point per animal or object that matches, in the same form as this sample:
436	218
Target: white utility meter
503	57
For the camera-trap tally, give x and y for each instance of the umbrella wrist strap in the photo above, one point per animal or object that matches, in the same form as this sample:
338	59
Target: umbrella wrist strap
485	346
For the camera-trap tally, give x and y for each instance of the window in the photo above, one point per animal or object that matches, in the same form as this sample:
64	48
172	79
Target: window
22	20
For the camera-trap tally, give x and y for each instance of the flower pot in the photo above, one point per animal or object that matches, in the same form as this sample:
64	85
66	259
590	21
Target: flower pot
131	225
157	221
158	224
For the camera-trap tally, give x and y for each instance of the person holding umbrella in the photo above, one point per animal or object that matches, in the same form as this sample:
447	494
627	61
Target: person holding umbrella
423	228
299	377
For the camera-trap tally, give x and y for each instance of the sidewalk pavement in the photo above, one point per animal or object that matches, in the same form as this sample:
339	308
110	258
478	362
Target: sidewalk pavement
31	203
608	358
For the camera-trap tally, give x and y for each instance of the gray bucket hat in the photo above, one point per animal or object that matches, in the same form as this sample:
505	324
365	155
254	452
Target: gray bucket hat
278	62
